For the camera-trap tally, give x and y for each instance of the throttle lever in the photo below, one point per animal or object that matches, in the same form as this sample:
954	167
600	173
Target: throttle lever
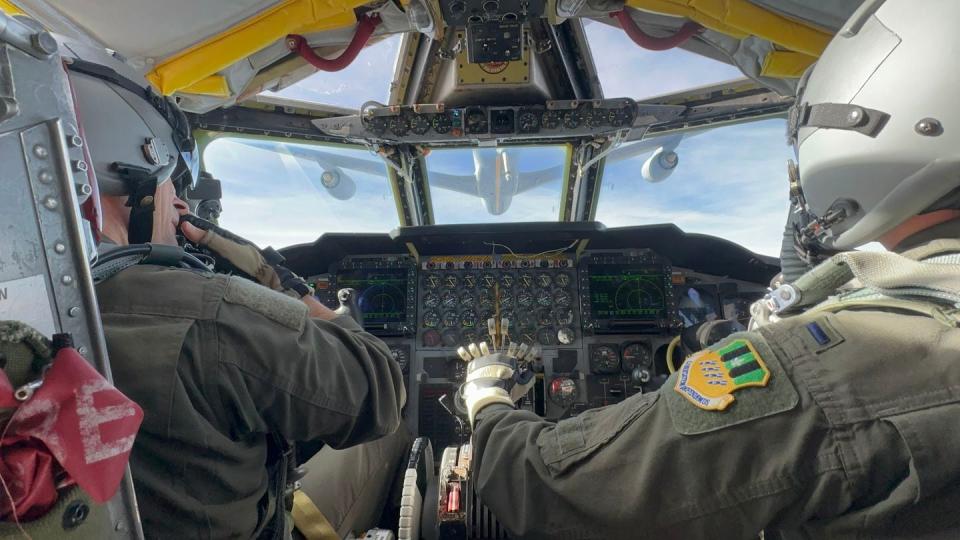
349	305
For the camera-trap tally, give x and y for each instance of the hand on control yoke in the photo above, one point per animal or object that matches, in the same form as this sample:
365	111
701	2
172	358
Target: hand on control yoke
264	266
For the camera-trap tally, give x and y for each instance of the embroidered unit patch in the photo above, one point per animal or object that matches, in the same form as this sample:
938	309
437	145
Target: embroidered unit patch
709	378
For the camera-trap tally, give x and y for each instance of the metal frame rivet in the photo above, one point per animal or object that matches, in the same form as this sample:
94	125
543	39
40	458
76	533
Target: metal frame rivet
74	311
45	177
76	141
67	280
60	248
80	165
51	203
929	127
84	189
40	151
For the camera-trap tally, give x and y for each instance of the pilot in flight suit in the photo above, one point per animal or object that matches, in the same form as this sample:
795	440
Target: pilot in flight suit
223	367
837	419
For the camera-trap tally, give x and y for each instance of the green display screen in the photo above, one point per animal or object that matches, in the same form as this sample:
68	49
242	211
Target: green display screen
627	292
382	293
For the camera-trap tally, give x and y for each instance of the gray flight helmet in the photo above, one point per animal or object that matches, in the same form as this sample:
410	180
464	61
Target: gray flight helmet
137	139
876	126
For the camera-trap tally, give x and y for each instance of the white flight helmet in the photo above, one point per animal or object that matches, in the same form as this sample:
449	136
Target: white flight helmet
876	124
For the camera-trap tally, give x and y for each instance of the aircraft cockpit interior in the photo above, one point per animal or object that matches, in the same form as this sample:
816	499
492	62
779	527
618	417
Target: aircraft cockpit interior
594	185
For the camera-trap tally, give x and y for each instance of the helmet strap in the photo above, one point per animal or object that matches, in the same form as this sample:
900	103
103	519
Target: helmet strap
142	185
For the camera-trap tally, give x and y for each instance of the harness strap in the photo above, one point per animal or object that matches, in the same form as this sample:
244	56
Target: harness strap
310	521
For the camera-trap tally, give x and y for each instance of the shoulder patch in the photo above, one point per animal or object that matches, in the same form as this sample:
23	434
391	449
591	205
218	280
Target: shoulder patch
271	304
702	397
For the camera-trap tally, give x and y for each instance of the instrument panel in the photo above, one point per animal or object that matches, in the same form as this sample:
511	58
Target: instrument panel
437	123
603	321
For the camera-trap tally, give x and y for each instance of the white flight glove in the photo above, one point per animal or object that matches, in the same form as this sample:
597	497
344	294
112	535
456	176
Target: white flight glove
494	378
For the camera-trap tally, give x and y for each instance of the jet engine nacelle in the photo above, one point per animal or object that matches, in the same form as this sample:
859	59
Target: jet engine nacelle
660	165
338	183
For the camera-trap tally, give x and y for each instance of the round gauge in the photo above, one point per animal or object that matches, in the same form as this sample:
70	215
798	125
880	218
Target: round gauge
486	300
562	279
398	125
544	317
431	300
696	305
432	281
431	338
469	281
527	280
468	300
376	124
546	336
442	123
507	281
529	122
401	357
566	335
636	355
468	319
526	322
563	315
450	281
621	117
551	119
483	317
448	300
468	336
563	391
544	280
431	319
506	300
476	121
604	359
450	319
525	299
573	119
450	338
562	298
544	298
593	118
488	280
419	124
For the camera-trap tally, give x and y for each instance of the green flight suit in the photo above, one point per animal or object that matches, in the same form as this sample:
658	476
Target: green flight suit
218	364
854	435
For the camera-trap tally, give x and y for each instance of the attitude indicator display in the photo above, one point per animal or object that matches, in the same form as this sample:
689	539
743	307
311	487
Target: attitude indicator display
382	293
628	293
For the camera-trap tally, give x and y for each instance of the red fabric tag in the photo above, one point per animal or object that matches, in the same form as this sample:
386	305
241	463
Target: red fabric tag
83	422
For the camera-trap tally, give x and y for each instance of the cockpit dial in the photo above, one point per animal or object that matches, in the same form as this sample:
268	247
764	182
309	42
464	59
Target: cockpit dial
432	281
468	300
525	299
468	319
431	319
544	298
449	300
544	280
431	300
469	281
562	279
527	280
399	125
450	319
487	281
419	124
636	355
529	122
551	119
476	121
450	281
604	360
442	123
507	281
562	298
573	119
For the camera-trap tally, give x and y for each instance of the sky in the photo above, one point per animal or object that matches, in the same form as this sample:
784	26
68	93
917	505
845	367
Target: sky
731	181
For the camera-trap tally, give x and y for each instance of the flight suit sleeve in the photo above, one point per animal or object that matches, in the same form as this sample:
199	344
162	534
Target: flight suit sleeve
306	379
658	466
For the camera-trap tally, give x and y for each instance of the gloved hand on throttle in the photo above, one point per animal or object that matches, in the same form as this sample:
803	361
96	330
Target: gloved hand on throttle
262	265
494	378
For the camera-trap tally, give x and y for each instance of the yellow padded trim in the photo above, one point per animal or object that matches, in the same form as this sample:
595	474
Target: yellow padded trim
785	64
739	18
309	520
10	8
214	85
195	64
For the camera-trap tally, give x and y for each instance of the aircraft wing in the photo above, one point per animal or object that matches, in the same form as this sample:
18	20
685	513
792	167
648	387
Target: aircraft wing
461	183
532	179
323	158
